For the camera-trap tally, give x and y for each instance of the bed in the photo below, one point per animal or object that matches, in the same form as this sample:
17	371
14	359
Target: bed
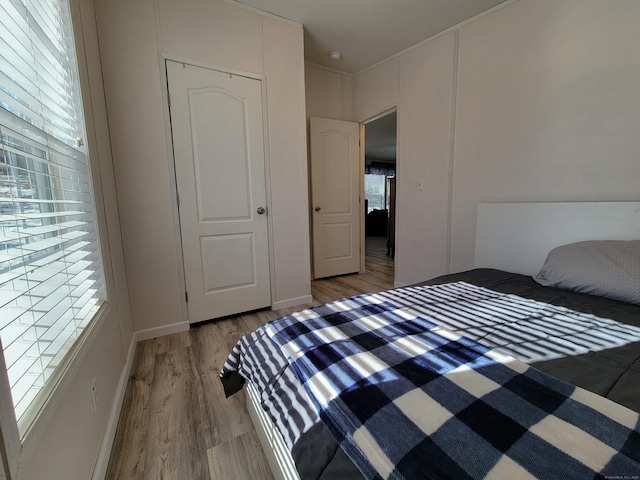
485	373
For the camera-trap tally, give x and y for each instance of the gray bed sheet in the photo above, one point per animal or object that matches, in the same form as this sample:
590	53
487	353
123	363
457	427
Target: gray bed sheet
614	373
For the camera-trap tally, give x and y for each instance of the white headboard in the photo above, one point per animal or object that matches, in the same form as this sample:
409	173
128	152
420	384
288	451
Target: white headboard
516	237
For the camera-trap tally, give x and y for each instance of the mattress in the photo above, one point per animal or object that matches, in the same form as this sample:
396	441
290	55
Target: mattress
609	364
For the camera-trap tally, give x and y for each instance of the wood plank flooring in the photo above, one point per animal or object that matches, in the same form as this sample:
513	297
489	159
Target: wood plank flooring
176	423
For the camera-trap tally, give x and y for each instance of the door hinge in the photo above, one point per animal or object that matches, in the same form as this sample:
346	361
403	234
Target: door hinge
186	297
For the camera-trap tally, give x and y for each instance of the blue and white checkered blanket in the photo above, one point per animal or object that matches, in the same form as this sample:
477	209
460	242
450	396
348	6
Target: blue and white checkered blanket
406	398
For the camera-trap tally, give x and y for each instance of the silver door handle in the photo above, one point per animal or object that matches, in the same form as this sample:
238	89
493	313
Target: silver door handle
317	209
261	211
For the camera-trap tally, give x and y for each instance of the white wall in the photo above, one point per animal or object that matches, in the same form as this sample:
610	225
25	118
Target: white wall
424	152
67	438
377	89
535	101
284	69
329	93
420	83
548	108
209	32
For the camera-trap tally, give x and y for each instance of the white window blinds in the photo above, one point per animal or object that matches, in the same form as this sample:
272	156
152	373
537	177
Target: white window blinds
51	280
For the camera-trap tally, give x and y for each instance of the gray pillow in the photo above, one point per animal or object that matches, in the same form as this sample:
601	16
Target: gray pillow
607	268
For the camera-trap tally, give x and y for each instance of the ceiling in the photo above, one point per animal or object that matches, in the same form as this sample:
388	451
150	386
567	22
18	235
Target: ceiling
368	31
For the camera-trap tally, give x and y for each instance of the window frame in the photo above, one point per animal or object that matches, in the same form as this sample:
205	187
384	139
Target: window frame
18	450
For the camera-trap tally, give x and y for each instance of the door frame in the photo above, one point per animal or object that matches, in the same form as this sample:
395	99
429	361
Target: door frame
363	218
173	186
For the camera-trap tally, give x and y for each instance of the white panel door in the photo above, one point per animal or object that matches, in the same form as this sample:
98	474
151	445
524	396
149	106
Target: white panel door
216	123
335	193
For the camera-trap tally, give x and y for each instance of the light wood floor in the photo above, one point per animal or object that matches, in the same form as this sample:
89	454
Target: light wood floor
175	421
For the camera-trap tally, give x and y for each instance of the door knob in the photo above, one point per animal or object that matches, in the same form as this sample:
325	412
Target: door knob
317	209
261	210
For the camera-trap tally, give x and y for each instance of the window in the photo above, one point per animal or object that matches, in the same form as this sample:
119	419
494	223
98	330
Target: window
374	191
51	278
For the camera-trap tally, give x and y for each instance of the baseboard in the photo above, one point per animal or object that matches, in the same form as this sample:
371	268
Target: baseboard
102	462
161	331
292	302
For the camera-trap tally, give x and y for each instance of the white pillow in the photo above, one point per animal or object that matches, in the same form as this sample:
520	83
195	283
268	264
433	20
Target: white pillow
607	268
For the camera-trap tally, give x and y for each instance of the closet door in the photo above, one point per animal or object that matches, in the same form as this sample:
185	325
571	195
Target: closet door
217	131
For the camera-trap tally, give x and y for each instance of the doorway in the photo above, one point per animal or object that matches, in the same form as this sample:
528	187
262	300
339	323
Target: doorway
380	189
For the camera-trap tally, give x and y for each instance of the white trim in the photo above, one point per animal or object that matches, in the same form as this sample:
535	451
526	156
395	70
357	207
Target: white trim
397	252
209	66
292	302
362	217
452	145
149	333
257	11
378	116
102	462
328	69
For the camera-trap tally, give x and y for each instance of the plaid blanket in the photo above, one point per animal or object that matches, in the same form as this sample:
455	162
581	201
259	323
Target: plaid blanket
406	398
